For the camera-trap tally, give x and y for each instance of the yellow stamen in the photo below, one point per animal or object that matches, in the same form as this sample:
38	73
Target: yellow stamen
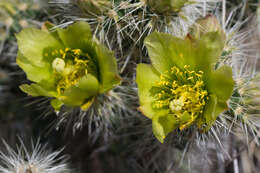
182	92
61	52
76	51
69	68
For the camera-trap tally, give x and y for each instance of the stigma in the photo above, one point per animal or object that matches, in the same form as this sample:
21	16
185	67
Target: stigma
177	104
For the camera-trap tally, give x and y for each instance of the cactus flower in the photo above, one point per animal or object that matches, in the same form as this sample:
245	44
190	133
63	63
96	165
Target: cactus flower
181	88
67	65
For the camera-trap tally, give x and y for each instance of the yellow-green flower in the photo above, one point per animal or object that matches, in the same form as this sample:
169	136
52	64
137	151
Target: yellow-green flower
66	65
181	87
166	6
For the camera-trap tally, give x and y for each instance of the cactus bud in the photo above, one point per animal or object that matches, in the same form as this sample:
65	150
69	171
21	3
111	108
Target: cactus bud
205	25
166	6
94	7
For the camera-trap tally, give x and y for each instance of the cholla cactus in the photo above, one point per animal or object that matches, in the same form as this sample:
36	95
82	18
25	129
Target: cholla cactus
148	16
102	15
39	160
78	75
246	105
237	52
105	116
197	86
117	20
240	52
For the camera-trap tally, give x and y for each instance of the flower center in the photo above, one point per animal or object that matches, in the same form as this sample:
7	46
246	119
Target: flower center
180	91
69	66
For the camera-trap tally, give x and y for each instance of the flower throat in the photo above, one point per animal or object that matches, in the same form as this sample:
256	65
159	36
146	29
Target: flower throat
180	91
69	66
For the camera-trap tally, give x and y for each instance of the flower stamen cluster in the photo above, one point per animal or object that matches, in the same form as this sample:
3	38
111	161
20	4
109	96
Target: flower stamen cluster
181	91
69	66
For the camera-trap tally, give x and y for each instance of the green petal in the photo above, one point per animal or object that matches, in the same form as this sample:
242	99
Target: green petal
89	83
166	51
163	50
207	51
86	88
56	104
74	96
36	90
107	66
213	43
146	77
221	83
33	42
212	111
33	72
49	27
76	35
163	125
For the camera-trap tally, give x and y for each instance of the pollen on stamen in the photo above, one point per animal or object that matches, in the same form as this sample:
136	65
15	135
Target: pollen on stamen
76	51
181	92
61	52
69	67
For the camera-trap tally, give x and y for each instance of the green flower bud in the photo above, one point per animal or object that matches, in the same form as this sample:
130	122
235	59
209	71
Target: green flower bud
96	7
165	6
209	31
206	25
67	65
